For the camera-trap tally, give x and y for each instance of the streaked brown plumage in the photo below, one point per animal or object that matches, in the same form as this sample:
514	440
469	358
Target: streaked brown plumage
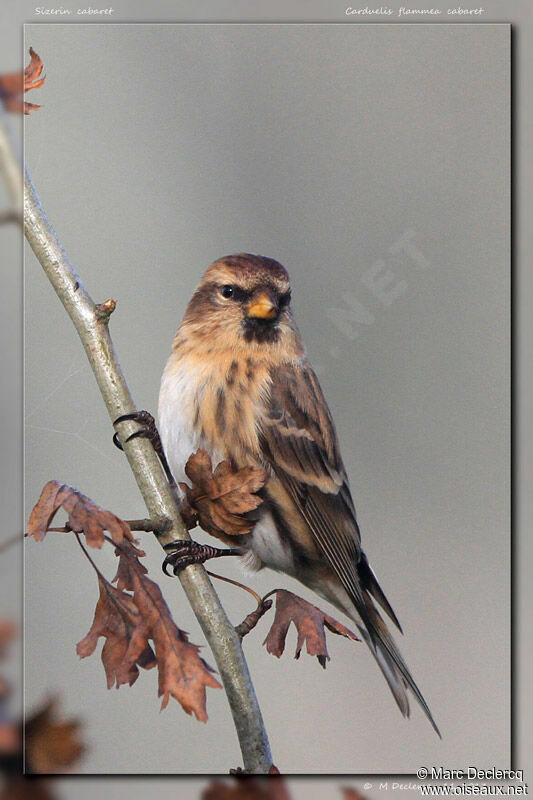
239	384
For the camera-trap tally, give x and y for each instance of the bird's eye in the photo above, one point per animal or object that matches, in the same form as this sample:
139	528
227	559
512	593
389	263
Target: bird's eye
284	299
227	291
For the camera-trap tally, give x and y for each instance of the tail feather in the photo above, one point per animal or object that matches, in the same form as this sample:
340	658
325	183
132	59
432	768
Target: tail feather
396	684
370	582
390	660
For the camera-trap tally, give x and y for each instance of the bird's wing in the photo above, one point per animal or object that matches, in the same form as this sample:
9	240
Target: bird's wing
299	441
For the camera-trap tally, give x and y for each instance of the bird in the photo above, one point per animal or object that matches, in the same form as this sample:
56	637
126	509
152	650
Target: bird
238	383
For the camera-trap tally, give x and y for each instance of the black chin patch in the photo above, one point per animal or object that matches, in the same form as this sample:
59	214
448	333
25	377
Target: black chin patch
261	330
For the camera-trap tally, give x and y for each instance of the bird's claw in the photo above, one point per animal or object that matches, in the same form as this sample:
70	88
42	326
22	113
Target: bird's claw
184	552
148	430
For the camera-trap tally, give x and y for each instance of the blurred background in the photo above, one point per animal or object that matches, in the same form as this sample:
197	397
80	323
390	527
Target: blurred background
11	51
373	162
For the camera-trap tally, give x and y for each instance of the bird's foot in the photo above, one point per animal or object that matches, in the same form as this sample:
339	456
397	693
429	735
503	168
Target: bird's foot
183	553
148	430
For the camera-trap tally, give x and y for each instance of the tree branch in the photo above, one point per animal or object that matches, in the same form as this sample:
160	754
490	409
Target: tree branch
146	525
92	328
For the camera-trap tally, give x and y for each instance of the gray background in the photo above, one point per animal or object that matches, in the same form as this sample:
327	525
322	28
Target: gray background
160	148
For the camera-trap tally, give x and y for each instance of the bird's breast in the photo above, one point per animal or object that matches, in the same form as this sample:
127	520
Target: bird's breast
211	403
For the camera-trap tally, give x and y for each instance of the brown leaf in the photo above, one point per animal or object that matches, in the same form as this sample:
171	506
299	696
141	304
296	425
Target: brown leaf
221	497
10	736
183	674
10	739
116	618
123	574
7	632
52	744
14	85
19	787
352	794
84	516
310	623
248	788
129	622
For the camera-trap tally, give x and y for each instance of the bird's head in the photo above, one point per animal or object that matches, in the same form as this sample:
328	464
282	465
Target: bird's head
243	300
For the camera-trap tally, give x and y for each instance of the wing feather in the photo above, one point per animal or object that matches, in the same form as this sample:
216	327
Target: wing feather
299	441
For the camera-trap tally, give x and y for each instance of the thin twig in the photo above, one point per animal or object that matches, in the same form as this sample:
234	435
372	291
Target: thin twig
88	557
263	605
236	583
146	525
161	503
249	622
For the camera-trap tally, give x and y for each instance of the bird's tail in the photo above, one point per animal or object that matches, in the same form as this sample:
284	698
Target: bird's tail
382	646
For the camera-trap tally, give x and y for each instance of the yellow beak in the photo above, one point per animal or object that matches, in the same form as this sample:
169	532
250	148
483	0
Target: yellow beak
262	306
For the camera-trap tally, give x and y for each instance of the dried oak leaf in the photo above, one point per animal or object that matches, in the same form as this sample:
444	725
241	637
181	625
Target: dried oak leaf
10	739
129	622
222	496
15	84
52	744
248	788
19	787
310	623
84	516
352	794
116	618
183	674
125	553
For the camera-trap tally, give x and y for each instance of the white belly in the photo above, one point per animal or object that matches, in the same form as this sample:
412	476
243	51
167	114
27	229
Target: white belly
177	407
176	434
176	411
267	549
